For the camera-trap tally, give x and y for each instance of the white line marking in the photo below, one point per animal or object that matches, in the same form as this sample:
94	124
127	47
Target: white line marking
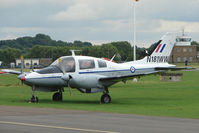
55	127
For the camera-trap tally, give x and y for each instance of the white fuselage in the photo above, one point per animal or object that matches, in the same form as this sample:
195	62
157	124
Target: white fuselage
89	78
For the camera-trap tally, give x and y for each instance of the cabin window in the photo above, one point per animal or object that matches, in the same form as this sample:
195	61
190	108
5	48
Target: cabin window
86	64
101	63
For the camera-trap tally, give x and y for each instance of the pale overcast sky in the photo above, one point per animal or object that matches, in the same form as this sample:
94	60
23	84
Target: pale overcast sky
98	21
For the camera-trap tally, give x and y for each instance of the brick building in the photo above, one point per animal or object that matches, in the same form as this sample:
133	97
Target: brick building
183	50
182	53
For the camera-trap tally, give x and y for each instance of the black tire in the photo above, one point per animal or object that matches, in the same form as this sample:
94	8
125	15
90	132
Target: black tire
106	98
34	99
57	96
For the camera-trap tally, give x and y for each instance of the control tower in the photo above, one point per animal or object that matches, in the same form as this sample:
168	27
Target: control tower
183	50
183	40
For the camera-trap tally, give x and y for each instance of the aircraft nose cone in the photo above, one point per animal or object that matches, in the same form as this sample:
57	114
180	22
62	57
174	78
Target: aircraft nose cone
22	77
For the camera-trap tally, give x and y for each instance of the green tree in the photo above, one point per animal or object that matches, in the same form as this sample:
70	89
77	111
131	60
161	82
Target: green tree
195	43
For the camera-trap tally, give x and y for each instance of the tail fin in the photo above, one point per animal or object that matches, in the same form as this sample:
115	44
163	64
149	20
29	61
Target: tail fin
162	52
165	45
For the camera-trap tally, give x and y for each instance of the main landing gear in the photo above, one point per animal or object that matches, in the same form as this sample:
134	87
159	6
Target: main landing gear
58	96
106	98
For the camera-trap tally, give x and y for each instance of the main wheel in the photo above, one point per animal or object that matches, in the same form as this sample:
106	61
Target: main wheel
34	99
106	98
57	96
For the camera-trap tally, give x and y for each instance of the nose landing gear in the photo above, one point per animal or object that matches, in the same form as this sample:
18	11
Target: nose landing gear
34	98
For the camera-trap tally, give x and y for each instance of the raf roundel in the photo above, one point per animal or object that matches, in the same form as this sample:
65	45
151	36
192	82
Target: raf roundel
132	69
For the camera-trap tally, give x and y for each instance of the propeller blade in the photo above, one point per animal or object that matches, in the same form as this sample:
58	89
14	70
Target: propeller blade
65	77
70	91
69	87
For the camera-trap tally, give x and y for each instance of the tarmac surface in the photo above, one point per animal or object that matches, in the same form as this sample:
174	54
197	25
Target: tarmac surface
45	120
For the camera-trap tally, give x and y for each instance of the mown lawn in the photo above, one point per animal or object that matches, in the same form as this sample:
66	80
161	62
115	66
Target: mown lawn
149	96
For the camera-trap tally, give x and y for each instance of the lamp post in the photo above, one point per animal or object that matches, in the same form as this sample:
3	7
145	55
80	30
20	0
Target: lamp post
134	28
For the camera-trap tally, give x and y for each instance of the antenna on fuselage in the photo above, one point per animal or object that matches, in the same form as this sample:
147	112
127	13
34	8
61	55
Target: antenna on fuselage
113	58
73	52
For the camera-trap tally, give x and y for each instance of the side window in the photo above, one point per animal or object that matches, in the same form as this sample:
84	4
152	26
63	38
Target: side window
101	63
86	64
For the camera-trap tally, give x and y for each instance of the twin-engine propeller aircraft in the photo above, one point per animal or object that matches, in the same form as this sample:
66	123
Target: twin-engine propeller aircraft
92	75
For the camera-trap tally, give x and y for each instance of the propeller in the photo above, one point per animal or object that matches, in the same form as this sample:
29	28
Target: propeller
65	77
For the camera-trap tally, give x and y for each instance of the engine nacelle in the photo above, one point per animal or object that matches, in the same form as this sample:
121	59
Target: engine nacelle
85	81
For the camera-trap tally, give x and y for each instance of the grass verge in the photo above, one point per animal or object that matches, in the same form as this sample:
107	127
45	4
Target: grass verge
147	97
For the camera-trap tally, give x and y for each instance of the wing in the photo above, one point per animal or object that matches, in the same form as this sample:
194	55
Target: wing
120	78
173	68
11	71
157	70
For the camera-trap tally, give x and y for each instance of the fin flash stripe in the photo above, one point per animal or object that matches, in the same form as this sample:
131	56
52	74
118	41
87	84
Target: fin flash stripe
158	48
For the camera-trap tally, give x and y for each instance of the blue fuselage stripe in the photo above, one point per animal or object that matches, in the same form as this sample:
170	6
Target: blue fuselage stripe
105	71
46	77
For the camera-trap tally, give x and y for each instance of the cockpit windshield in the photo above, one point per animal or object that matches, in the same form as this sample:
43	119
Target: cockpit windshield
67	64
49	70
